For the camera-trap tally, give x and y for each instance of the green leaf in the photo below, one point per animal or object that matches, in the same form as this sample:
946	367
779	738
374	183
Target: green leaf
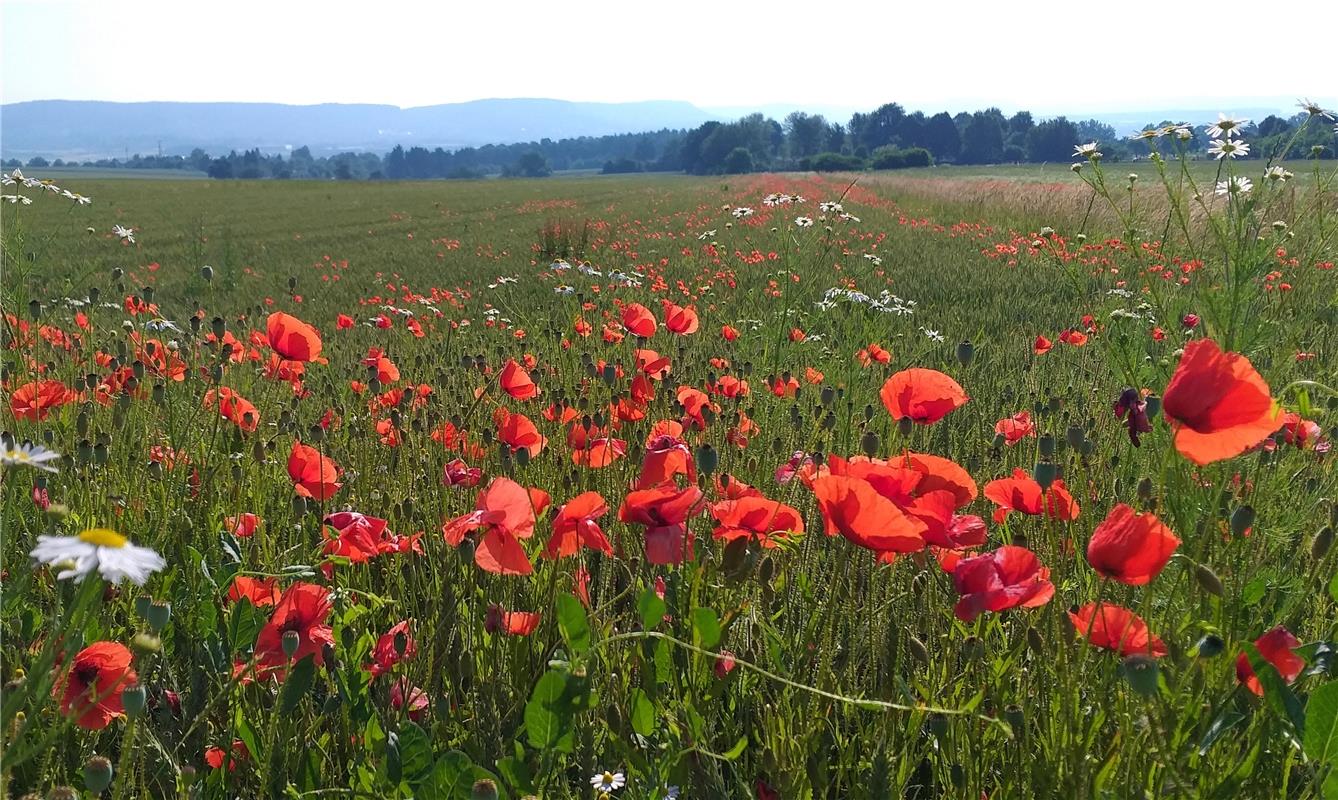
299	681
244	625
1333	588
452	778
1225	722
651	608
573	624
737	750
516	772
415	754
1321	725
643	713
1276	694
543	725
1254	591
705	628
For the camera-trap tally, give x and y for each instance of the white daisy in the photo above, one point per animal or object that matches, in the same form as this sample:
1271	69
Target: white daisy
12	178
1278	174
1314	109
98	550
803	222
741	212
27	455
1088	150
1233	148
608	781
829	206
1238	184
16	198
1226	126
126	234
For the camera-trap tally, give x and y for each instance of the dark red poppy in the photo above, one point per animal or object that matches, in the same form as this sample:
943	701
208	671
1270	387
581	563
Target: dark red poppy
1132	409
303	608
292	338
729	333
458	473
1131	548
923	395
754	516
313	474
213	755
1217	404
343	322
1302	433
638	319
576	525
1116	628
91	690
395	646
1278	648
516	382
1023	494
664	510
1009	577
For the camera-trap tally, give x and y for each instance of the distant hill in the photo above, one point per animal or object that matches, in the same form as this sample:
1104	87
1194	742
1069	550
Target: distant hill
93	129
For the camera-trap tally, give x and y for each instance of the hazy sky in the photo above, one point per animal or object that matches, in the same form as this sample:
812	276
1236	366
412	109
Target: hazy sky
1043	55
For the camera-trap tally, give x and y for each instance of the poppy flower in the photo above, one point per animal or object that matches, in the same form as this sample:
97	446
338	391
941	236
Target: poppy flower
393	647
458	473
754	516
667	455
303	609
1023	494
243	526
1301	433
260	592
35	400
593	447
680	320
1009	577
1132	409
1217	404
360	538
1041	346
924	395
343	322
213	755
695	402
405	695
1073	337
939	473
651	364
1131	548
519	433
638	319
233	407
1116	628
506	511
729	333
313	474
730	386
292	338
867	356
1015	428
853	508
516	382
91	690
513	623
797	335
664	510
1277	647
813	376
576	524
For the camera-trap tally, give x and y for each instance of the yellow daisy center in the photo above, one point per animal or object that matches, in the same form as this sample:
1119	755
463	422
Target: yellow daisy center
103	537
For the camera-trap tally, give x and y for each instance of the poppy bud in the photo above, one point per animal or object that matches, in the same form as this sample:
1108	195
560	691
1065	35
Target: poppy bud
97	774
972	648
826	396
966	353
142	604
735	557
94	295
918	649
1142	673
100	454
133	699
1014	717
1208	579
1075	437
610	374
483	790
957	775
905	425
707	459
34	308
868	443
1242	519
290	642
1210	646
1035	641
159	614
522	455
207	272
1319	546
766	570
1044	473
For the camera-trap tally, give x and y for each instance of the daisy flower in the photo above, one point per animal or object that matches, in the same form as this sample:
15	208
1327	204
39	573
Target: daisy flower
803	222
1238	184
100	550
741	212
127	234
608	781
1233	148
27	455
1088	150
1278	174
1314	109
1227	126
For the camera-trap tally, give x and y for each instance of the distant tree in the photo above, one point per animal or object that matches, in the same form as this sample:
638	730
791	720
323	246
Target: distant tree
806	133
882	126
13	163
835	162
738	161
836	137
220	169
1019	125
690	153
531	165
620	165
38	162
982	141
1093	130
1272	125
941	137
1052	140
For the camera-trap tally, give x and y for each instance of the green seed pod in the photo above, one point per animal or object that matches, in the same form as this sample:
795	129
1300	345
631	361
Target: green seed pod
1242	519
1075	437
1035	641
938	724
146	644
1153	405
1044	473
207	272
707	459
1014	717
290	642
1142	673
142	604
1145	489
766	570
1210	646
868	443
97	774
1046	446
159	615
905	425
483	789
133	699
918	650
966	353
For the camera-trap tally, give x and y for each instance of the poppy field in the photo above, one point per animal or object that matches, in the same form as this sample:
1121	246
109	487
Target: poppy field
768	486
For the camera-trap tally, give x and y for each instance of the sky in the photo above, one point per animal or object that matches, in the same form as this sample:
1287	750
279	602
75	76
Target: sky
1041	55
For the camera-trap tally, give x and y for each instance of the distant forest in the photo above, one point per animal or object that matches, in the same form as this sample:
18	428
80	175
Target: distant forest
887	138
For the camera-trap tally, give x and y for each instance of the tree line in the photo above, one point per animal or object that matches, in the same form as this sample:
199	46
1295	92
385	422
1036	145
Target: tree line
886	138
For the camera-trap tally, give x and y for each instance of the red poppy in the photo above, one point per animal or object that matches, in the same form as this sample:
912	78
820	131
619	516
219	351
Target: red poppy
754	516
1302	433
313	474
729	333
303	609
1042	346
680	320
664	510
213	755
91	690
516	382
1009	577
667	455
35	400
360	538
458	473
797	335
506	511
1131	548
1116	628
244	525
871	354
638	319
651	363
386	371
576	525
1073	337
513	623
395	646
593	447
343	322
1015	428
1277	648
404	694
292	338
1217	404
939	473
695	402
1022	494
519	433
233	407
260	592
853	508
924	395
